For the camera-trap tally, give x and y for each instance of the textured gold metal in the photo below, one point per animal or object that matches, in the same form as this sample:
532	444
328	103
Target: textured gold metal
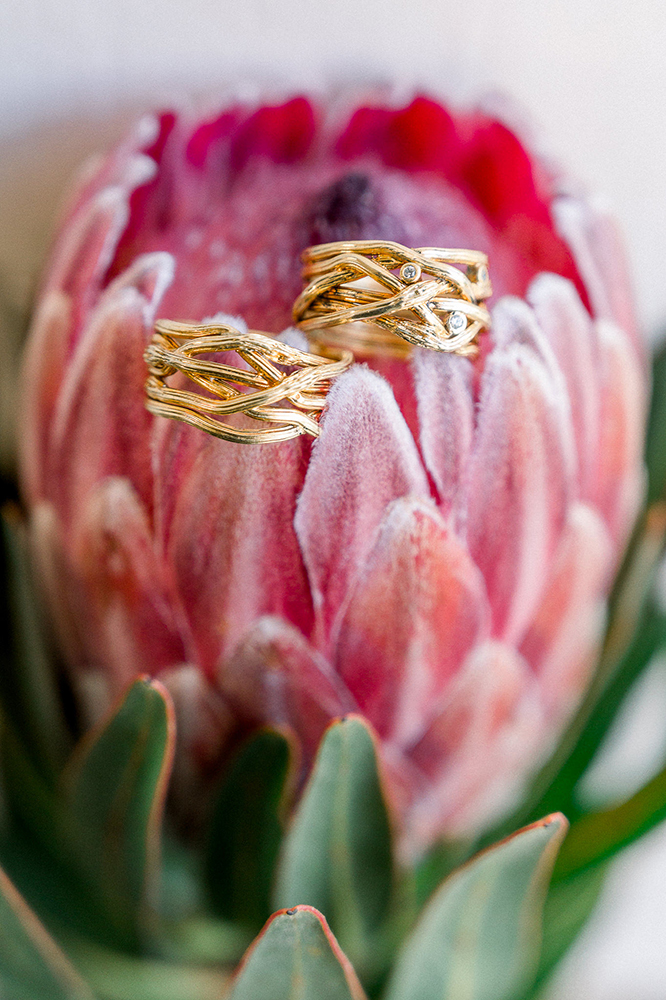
270	375
353	297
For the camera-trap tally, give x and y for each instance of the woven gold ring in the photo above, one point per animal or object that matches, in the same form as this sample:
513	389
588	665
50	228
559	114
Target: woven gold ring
274	384
383	297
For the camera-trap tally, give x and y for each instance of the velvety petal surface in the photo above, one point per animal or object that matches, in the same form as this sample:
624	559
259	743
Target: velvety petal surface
519	479
364	459
416	610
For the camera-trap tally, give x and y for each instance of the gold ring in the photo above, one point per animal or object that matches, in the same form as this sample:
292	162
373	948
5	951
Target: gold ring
256	388
385	289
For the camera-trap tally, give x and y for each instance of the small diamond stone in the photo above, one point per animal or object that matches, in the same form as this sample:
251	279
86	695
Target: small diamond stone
482	274
410	272
457	322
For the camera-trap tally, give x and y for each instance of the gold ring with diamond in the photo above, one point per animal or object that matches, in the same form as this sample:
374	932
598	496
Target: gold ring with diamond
380	297
275	385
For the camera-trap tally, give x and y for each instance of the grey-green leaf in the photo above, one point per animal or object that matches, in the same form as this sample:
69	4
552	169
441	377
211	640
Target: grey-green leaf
479	936
337	854
31	963
116	786
296	958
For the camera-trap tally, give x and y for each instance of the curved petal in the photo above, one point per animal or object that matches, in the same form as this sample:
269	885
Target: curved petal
364	459
232	544
205	727
43	367
476	754
520	476
445	401
134	626
416	610
276	676
620	478
592	232
101	426
564	635
572	336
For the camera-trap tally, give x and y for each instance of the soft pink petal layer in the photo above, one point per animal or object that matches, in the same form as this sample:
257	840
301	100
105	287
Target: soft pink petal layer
476	753
593	235
276	676
232	544
573	337
620	477
417	608
364	459
43	366
134	626
562	640
445	402
101	426
205	727
519	476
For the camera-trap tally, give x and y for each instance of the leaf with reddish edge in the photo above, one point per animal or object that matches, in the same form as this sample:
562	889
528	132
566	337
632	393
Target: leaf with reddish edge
115	785
247	828
296	957
31	963
479	936
337	853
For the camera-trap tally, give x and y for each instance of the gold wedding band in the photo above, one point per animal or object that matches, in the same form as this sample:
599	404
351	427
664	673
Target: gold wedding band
382	297
271	375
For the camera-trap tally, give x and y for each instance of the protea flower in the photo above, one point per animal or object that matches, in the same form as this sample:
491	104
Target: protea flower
439	560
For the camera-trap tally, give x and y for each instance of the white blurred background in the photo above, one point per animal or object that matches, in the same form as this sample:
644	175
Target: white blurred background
591	74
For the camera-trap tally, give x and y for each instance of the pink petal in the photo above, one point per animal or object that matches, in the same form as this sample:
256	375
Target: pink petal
416	610
43	367
101	426
620	477
563	638
445	400
364	459
276	676
475	753
572	336
135	626
519	476
592	232
232	544
205	727
63	592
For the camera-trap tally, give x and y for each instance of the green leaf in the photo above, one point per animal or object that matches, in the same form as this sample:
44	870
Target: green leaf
31	963
116	786
296	958
479	936
247	829
337	854
655	451
28	684
119	976
599	835
569	905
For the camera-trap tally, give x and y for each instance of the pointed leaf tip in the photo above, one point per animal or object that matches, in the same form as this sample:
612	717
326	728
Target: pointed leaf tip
296	957
116	784
480	934
337	855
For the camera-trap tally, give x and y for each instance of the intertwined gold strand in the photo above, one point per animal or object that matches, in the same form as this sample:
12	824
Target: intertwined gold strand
353	286
256	391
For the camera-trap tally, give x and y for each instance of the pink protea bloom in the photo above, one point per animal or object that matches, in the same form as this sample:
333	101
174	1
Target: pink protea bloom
440	558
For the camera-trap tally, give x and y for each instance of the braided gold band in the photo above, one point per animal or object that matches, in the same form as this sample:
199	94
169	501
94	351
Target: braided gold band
256	390
429	302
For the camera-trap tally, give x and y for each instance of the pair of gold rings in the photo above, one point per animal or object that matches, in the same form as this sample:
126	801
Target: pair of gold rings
361	298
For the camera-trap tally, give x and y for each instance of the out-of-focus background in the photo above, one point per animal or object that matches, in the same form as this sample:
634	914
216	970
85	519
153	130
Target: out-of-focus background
591	78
